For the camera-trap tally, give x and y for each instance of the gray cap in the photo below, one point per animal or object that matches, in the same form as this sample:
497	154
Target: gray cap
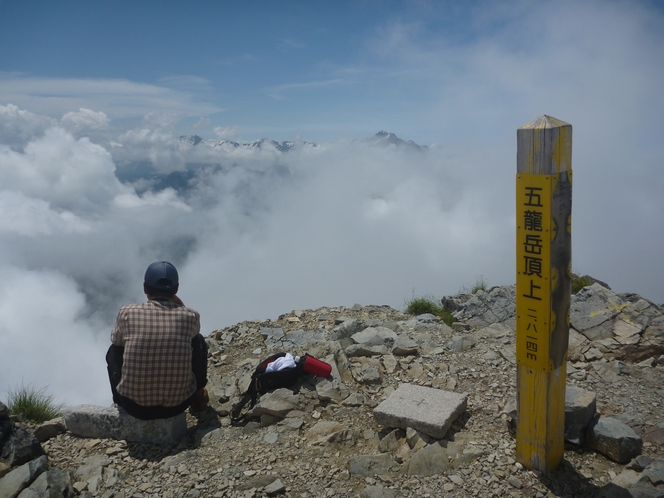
161	275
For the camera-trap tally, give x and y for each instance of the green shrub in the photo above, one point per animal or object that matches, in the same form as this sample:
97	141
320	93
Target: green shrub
33	404
579	283
420	305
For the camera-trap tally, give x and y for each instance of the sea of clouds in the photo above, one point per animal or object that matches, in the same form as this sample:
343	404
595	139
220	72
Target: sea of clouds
255	233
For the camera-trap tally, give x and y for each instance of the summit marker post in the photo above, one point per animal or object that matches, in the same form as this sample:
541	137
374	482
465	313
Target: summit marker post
543	288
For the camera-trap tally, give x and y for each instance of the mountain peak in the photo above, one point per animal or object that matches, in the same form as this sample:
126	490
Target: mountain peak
385	139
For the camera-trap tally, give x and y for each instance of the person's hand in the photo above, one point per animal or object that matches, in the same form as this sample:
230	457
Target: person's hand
176	299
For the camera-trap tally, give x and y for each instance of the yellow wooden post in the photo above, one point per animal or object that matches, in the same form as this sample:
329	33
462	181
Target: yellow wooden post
543	288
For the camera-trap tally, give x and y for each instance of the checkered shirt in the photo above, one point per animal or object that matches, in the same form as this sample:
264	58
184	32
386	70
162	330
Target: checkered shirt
156	336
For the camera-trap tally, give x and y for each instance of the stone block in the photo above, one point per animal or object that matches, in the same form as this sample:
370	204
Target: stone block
580	407
430	411
114	423
613	439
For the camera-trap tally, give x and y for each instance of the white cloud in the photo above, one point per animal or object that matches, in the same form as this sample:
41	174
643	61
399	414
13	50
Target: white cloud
84	120
25	216
43	342
117	98
18	126
227	132
73	175
167	197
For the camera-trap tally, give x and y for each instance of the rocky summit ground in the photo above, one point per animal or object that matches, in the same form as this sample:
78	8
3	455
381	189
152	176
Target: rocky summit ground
314	448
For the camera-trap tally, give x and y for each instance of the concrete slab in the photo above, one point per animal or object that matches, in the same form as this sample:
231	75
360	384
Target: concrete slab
111	422
428	410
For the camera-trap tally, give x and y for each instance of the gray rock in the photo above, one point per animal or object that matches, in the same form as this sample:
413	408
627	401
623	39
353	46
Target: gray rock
91	466
375	336
467	456
331	390
367	374
431	411
655	472
345	330
355	350
427	318
485	308
429	461
592	306
416	439
111	422
19	446
580	407
378	491
52	483
302	338
389	443
613	439
50	429
370	465
272	336
275	487
323	429
354	399
404	346
4	411
278	403
21	477
463	343
175	460
257	482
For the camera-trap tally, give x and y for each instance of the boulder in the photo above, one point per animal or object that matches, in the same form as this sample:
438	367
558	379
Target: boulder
114	423
21	477
484	308
613	439
52	483
580	407
17	446
50	429
278	403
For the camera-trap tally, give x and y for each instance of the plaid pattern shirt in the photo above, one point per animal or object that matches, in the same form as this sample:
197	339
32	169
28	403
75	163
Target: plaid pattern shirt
156	336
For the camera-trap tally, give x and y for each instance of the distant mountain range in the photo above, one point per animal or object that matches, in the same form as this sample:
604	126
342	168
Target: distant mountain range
145	176
381	139
229	145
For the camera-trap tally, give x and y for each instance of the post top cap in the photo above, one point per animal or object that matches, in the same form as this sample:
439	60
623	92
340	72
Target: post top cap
544	121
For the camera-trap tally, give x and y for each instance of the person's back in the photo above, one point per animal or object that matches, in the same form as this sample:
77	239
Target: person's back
158	359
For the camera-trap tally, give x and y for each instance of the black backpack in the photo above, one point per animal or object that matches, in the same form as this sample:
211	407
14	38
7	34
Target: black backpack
262	382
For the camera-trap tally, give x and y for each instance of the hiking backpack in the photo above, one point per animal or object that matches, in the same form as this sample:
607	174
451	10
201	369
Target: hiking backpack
262	381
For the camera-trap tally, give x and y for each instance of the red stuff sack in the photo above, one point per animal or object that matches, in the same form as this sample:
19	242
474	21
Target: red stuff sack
314	366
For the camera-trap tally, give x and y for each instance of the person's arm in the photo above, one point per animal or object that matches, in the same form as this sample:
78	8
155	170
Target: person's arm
176	299
117	337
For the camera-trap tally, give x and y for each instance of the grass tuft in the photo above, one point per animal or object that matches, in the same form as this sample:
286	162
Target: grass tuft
579	283
427	304
33	404
480	285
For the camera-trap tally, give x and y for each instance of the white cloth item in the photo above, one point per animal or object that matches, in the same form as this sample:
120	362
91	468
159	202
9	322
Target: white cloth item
281	363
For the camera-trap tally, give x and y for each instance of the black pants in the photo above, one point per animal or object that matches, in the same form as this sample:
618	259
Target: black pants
114	358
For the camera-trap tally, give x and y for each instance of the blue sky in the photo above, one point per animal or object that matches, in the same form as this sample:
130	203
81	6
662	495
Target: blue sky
89	88
323	70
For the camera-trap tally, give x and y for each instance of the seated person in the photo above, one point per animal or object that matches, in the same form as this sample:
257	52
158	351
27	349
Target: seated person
157	362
